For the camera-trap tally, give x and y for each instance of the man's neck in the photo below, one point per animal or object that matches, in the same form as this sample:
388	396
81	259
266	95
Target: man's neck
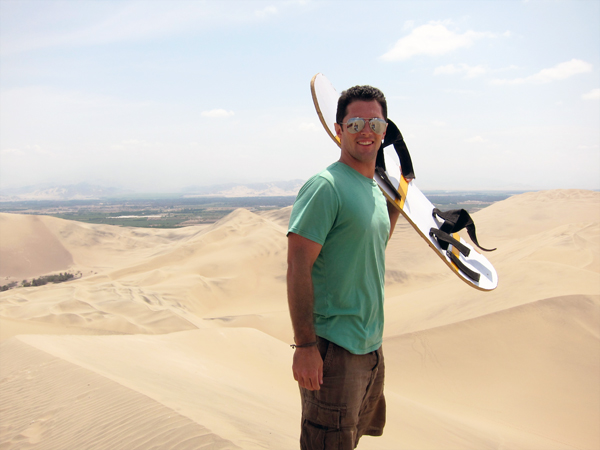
366	170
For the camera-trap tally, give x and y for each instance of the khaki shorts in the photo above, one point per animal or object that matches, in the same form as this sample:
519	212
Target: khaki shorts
350	402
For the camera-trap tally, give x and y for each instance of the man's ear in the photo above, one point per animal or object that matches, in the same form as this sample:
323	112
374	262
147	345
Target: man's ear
338	130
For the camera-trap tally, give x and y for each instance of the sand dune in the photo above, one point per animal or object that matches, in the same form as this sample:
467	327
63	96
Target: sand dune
179	338
225	380
29	248
168	283
53	403
529	368
35	245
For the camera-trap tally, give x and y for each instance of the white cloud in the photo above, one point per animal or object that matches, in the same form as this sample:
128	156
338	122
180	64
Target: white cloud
93	23
27	150
450	69
308	126
217	113
12	151
476	140
561	71
594	94
408	25
85	23
468	71
439	123
39	150
432	39
133	144
461	91
268	11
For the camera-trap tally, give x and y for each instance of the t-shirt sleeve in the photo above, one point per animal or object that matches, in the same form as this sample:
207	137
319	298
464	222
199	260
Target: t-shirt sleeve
314	210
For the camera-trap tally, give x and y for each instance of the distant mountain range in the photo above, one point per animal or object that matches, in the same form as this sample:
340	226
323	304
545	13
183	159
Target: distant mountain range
80	191
86	191
273	189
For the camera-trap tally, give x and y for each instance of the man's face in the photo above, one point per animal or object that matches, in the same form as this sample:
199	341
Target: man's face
360	147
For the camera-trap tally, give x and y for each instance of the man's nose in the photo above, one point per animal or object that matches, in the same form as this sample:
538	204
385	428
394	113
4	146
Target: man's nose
367	128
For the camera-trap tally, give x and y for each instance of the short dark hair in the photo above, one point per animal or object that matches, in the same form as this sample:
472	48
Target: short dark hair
365	93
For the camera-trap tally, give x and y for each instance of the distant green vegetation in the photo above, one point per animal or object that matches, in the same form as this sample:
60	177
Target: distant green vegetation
142	221
40	281
147	213
61	277
8	286
173	212
167	218
472	201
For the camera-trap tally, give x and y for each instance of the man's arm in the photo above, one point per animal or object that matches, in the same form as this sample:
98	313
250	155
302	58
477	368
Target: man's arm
308	364
394	213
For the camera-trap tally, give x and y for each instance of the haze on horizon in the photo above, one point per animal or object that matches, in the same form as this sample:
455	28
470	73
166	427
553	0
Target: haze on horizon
156	96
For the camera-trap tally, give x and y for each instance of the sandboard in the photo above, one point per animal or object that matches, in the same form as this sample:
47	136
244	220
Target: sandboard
464	261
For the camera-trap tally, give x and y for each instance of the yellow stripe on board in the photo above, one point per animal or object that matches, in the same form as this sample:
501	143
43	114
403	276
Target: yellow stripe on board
456	252
403	189
454	249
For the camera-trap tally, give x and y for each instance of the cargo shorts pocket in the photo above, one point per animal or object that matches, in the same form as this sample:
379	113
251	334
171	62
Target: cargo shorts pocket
327	351
321	426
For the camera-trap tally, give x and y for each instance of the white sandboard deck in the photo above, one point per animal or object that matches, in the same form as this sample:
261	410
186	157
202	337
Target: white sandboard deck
413	204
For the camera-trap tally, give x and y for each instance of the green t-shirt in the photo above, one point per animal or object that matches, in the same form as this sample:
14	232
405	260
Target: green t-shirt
346	213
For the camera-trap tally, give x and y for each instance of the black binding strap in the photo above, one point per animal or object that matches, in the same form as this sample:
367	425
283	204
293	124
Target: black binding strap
445	238
393	136
457	219
464	269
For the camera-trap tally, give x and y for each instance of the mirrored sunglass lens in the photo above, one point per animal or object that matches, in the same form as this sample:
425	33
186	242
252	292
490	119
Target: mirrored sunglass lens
355	125
378	126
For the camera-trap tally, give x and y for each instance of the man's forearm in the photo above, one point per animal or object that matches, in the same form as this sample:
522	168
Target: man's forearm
301	301
307	365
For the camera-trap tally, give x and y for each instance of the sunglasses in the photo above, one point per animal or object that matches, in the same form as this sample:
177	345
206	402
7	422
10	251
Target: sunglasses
356	124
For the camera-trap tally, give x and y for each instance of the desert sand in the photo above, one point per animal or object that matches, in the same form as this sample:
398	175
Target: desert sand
179	339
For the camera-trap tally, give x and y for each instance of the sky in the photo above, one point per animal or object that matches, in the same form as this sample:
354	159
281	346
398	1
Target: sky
158	96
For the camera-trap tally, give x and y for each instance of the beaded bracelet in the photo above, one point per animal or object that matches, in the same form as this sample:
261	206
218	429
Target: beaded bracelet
310	344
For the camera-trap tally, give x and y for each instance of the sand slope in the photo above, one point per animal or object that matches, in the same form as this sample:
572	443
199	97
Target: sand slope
530	372
49	402
29	248
179	338
163	282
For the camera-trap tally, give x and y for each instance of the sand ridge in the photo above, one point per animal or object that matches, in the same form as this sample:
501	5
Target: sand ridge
64	420
191	327
29	248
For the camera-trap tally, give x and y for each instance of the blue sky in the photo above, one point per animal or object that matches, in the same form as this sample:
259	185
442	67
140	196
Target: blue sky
158	95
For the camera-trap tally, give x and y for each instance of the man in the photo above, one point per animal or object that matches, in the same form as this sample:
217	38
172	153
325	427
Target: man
338	232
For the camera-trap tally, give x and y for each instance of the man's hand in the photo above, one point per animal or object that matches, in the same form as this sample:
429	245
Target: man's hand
308	368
